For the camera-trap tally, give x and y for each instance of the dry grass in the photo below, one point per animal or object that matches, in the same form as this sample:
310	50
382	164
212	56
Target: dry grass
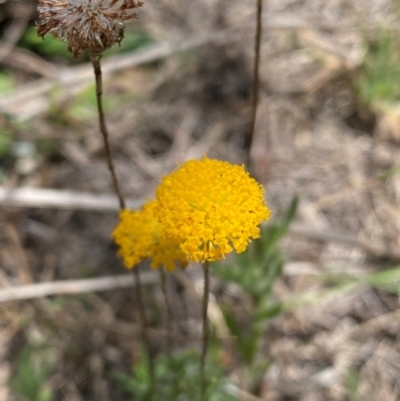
311	140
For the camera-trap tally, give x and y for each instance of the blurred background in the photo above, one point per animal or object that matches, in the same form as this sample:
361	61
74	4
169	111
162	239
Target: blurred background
311	311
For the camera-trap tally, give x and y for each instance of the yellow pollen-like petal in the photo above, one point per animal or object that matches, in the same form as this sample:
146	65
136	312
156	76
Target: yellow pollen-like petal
211	207
138	237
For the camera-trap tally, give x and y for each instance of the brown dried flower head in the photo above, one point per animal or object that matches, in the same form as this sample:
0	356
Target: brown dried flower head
93	25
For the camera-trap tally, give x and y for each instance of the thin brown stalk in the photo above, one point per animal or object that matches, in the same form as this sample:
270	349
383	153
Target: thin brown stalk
103	127
170	338
256	74
203	381
144	327
96	57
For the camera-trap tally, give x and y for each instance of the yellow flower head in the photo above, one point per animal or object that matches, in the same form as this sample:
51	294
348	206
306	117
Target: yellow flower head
138	237
211	207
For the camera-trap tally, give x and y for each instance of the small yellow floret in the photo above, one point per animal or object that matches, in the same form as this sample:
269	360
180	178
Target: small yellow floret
211	207
138	237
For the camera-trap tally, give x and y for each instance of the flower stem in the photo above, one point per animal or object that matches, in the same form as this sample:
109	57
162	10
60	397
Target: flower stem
256	72
95	57
170	338
143	328
203	382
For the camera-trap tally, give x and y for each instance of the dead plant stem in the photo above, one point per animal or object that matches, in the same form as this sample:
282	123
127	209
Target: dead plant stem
95	57
103	127
203	381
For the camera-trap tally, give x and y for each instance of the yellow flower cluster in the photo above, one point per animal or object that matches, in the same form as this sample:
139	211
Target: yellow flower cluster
138	237
211	207
204	210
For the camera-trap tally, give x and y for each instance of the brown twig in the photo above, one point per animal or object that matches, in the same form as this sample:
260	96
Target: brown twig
256	75
103	127
203	383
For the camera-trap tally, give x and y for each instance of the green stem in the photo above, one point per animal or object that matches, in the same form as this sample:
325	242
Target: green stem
143	328
203	381
170	337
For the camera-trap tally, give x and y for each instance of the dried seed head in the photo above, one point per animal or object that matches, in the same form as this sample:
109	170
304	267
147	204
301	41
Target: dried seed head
93	25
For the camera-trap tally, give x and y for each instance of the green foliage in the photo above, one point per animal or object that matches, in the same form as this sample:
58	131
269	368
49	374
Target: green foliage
6	82
32	373
351	382
46	146
7	129
396	4
177	377
6	141
379	78
255	271
54	47
133	40
339	284
48	46
74	111
82	108
387	280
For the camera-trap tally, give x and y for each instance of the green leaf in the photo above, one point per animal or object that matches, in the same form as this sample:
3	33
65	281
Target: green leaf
352	385
380	71
5	143
177	377
6	82
272	234
388	280
268	311
32	373
246	343
48	46
133	40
